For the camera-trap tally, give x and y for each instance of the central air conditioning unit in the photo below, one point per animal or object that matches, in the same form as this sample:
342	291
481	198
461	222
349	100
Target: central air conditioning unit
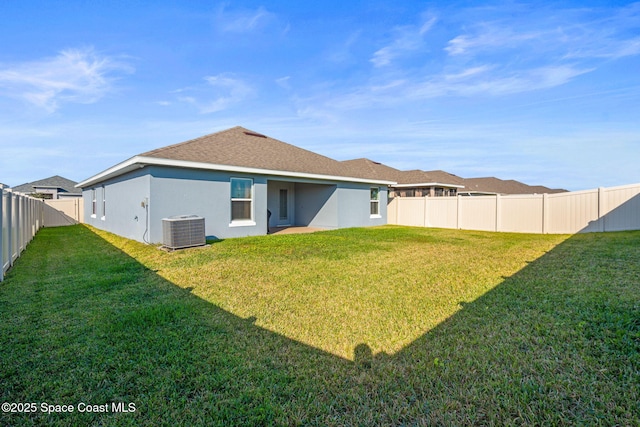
183	231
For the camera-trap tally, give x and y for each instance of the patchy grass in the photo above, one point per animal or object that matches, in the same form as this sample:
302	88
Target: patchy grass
381	326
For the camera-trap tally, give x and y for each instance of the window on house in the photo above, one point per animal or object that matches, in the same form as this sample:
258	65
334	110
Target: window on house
375	201
241	199
94	202
439	192
284	204
104	202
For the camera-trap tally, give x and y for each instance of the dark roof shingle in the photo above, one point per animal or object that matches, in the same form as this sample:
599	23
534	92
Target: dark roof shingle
244	148
370	169
501	186
382	171
55	181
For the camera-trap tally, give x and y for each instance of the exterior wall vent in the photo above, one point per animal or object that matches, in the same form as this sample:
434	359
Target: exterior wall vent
183	231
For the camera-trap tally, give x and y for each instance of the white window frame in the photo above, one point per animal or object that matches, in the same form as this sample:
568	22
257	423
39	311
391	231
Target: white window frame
374	202
241	222
94	203
104	203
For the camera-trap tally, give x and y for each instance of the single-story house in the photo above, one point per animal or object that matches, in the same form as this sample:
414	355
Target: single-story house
438	183
413	183
487	186
241	182
52	188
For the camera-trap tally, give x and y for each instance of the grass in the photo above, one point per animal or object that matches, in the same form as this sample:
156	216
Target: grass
380	326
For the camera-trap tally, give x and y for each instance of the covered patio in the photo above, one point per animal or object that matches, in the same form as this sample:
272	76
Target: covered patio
301	206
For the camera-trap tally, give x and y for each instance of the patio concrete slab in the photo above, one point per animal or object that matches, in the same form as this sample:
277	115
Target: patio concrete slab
294	230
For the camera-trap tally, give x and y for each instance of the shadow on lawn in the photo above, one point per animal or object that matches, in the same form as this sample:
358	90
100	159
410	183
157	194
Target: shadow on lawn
524	353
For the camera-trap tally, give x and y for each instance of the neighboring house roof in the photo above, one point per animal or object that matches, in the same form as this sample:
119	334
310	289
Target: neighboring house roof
418	178
494	185
412	178
240	150
54	182
369	168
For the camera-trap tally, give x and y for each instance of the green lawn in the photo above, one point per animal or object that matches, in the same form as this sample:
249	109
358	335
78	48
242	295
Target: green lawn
379	326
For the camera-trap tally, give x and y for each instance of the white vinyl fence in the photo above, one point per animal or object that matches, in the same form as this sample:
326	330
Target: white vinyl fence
602	209
20	219
65	212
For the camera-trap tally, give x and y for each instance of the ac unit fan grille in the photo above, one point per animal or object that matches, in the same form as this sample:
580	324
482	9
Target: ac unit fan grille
183	231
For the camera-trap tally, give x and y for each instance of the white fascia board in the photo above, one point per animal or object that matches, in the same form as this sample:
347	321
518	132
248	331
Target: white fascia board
119	169
427	184
141	161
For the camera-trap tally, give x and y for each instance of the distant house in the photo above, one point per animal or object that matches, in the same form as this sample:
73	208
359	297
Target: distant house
240	181
437	183
413	183
52	188
491	186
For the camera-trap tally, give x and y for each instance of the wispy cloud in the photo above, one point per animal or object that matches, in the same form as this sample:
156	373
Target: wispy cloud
497	52
283	82
73	76
406	39
225	89
489	37
557	33
342	52
244	20
487	80
479	81
606	49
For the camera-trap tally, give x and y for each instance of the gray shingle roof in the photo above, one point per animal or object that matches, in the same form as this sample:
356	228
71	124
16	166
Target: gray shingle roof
500	186
429	177
55	181
244	148
370	169
381	171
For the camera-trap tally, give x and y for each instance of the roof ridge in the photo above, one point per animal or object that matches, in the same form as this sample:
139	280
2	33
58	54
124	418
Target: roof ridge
192	140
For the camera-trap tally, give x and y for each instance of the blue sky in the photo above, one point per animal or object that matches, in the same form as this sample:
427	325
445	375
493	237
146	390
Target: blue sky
543	92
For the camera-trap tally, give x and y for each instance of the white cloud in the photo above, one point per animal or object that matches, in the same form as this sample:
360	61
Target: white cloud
242	21
225	89
478	80
74	75
627	48
469	72
491	37
559	33
607	49
342	52
406	39
283	82
486	80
